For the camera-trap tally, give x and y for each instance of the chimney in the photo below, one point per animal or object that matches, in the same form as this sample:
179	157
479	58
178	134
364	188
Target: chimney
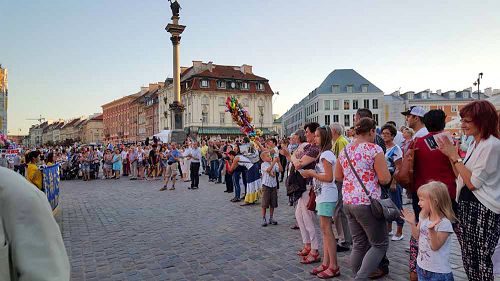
246	69
153	86
161	84
183	68
438	92
210	66
144	89
197	63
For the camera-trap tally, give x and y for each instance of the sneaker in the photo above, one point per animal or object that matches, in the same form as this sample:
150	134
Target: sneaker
172	188
379	273
273	222
391	233
341	248
397	238
163	188
264	222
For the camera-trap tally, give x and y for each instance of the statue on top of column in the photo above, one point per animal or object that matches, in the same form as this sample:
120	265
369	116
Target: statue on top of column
175	7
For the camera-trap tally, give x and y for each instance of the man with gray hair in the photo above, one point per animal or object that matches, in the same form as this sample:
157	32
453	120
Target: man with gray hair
339	217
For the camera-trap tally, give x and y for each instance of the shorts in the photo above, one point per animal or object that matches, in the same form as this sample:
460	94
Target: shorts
172	170
432	276
325	209
85	168
269	197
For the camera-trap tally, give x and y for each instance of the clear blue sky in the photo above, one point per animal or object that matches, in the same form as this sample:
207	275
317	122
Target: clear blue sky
66	58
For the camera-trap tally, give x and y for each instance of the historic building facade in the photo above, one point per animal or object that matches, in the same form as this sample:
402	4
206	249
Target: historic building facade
116	119
93	130
337	99
204	90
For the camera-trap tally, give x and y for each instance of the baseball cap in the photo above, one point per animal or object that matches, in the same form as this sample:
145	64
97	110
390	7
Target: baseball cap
415	110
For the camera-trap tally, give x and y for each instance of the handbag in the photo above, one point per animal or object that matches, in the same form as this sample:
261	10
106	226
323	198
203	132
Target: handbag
311	204
381	208
404	175
295	183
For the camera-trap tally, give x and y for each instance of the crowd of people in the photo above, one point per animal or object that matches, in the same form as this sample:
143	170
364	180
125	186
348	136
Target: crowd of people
338	176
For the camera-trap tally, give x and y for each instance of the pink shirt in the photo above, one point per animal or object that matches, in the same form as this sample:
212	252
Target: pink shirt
363	158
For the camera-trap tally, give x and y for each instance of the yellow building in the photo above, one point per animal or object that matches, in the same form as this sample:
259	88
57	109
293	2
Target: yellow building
3	100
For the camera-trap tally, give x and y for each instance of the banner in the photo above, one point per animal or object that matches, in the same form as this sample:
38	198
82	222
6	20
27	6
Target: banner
51	184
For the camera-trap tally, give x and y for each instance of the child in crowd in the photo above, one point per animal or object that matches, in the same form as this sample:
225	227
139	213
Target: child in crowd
433	232
269	170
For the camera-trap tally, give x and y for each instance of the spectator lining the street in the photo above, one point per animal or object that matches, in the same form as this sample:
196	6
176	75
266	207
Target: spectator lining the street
433	232
269	170
326	199
478	188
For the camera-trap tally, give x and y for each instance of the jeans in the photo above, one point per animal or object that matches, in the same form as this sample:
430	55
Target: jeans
195	174
397	197
229	182
236	184
214	168
204	164
424	275
219	170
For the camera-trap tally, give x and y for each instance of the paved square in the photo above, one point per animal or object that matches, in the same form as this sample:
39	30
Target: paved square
128	230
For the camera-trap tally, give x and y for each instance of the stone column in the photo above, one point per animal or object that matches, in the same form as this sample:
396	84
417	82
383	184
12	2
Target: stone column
176	107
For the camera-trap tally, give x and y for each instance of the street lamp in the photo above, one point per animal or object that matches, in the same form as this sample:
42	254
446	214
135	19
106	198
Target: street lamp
201	119
478	82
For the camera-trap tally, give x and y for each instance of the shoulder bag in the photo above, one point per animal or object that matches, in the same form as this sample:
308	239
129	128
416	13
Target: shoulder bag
381	208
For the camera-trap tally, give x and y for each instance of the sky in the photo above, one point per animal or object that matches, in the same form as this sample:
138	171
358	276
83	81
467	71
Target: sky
66	58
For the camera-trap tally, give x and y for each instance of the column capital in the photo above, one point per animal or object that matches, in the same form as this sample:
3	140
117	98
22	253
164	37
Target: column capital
176	40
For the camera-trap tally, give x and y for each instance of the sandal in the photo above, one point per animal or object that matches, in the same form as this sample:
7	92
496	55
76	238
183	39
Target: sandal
329	273
311	258
304	252
319	269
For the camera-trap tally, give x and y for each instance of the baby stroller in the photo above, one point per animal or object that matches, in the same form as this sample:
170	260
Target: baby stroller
72	168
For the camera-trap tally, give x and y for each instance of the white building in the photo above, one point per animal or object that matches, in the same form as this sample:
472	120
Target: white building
204	90
337	99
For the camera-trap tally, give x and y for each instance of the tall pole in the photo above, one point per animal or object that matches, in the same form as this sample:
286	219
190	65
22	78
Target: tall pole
176	107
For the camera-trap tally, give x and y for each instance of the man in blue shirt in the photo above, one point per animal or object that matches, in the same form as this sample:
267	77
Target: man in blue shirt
172	157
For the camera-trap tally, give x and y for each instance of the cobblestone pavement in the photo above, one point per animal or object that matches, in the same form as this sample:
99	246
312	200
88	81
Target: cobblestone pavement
128	230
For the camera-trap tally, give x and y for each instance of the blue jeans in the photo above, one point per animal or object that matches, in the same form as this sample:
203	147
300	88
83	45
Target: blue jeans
236	184
214	167
397	197
219	171
424	275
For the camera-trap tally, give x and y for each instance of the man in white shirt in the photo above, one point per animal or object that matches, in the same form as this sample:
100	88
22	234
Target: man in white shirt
415	120
194	154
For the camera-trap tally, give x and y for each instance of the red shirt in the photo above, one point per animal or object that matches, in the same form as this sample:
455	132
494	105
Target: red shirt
432	165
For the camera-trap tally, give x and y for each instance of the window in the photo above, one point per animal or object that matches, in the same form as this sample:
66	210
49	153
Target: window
204	117
375	103
221	117
354	104
454	108
346	105
364	88
375	117
327	119
221	84
410	96
366	104
244	86
466	95
349	88
335	89
222	101
204	100
260	87
335	118
335	105
204	83
327	104
347	121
